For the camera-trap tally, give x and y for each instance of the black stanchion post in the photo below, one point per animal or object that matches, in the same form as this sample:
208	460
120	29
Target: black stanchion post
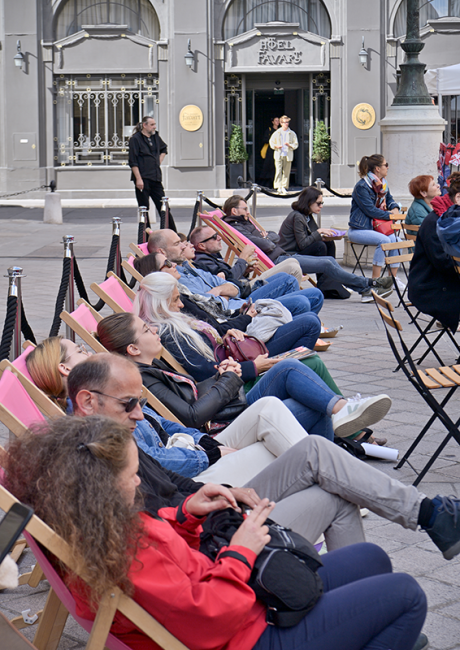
319	186
14	289
255	188
143	217
69	241
165	209
116	224
199	197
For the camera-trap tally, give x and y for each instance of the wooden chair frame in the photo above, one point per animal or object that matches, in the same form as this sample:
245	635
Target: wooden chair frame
403	258
424	382
55	615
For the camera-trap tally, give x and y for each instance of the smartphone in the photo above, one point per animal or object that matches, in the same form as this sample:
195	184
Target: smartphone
247	305
12	525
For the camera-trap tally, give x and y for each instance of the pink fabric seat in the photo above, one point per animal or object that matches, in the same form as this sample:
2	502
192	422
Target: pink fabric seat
112	287
84	317
144	248
64	594
20	363
216	217
15	398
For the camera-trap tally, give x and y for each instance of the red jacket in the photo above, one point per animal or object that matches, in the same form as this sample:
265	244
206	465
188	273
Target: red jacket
440	204
207	605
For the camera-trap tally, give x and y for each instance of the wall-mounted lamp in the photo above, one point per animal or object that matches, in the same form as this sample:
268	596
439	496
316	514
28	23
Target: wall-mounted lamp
19	58
189	57
363	55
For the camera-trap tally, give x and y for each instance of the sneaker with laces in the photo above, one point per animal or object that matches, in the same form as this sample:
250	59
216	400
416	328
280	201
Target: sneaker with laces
445	531
358	413
383	292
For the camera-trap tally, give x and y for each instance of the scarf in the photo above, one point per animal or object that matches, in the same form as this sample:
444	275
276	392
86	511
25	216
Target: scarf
380	187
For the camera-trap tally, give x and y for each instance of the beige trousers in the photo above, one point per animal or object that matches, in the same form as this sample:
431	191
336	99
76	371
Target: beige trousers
292	267
282	173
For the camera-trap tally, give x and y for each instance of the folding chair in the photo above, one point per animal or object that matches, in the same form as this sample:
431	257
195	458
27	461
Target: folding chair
128	265
115	293
405	256
20	362
425	382
61	602
140	250
410	231
83	321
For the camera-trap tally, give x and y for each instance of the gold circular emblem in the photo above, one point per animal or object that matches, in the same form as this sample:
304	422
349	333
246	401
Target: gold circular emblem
363	116
191	118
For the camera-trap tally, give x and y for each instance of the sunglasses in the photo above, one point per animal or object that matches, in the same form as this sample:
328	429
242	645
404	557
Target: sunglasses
214	236
167	265
319	203
129	404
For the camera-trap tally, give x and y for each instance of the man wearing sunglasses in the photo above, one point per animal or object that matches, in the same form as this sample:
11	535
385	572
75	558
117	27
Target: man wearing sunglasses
208	247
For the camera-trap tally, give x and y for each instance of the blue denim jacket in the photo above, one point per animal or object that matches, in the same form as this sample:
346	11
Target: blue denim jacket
186	462
363	208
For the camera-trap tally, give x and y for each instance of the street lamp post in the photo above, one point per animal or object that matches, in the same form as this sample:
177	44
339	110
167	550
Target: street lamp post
412	88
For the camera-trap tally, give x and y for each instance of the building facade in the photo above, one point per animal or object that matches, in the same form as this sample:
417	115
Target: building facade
77	75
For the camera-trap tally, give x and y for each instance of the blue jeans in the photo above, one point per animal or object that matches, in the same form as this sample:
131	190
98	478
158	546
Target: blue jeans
374	238
364	607
302	330
285	288
308	398
329	266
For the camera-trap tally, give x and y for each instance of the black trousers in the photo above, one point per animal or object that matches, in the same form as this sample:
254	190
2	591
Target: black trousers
153	189
320	249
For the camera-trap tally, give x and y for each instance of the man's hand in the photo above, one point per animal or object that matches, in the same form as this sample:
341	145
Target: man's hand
247	252
263	363
221	275
226	290
139	184
252	533
248	496
211	497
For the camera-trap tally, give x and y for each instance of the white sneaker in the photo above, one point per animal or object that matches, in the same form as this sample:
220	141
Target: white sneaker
282	190
358	413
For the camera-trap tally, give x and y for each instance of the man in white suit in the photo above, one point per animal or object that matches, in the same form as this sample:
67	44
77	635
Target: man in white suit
284	142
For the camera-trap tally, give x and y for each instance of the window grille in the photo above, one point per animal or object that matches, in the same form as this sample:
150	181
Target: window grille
95	116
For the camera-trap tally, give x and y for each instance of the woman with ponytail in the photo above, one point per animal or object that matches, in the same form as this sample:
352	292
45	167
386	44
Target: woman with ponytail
371	200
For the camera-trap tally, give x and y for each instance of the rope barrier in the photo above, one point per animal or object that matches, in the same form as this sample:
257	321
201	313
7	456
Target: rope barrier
25	327
341	196
213	205
194	218
8	327
289	195
34	189
61	297
248	196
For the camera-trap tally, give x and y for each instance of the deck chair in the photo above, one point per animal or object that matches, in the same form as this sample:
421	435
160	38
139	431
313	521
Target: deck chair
115	293
425	382
21	402
128	265
140	249
20	362
83	321
60	601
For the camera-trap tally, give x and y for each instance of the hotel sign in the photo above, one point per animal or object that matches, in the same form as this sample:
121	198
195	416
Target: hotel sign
277	51
191	118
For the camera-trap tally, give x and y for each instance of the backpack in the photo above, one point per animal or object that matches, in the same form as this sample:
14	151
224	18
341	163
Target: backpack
284	576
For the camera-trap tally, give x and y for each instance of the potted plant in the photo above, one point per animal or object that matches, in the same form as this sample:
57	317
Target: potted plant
321	155
237	155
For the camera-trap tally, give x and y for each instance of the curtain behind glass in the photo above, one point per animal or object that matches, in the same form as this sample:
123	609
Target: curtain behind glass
311	15
76	13
429	11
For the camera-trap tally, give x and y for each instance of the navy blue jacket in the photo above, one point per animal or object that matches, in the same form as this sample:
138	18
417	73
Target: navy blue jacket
363	208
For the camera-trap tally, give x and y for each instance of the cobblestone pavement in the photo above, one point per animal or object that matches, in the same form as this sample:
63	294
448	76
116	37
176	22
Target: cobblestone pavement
359	360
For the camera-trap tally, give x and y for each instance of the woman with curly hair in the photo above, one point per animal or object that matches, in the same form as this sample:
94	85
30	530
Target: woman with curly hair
80	476
50	363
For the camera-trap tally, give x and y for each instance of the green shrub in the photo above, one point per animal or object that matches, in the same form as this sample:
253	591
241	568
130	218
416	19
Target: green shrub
236	150
321	144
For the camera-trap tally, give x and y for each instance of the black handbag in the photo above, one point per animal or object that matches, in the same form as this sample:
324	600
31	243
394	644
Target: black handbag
284	576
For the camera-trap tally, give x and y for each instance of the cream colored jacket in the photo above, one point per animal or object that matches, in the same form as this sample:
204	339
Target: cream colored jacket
276	140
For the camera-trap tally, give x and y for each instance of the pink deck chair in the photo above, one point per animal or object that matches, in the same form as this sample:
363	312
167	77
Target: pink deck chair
113	294
216	218
64	595
17	409
83	321
20	363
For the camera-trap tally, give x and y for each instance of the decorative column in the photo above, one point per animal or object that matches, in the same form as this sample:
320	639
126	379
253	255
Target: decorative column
412	128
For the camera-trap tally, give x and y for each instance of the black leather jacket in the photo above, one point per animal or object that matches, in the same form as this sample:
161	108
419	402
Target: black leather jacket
178	395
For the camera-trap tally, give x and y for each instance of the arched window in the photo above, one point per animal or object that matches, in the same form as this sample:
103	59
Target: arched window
243	14
429	10
138	15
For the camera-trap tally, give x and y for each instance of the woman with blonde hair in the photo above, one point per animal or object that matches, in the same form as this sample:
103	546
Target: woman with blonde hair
50	363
